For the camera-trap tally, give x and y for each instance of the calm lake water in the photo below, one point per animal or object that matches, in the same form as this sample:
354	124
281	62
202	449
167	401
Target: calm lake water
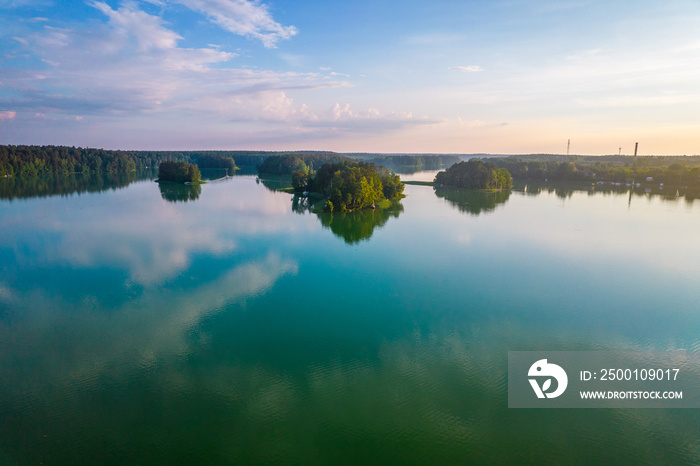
227	324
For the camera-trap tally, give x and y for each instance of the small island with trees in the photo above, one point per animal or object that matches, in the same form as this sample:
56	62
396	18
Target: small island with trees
351	186
475	174
179	172
345	185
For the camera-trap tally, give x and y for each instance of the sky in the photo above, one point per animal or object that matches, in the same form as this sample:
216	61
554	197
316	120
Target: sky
499	76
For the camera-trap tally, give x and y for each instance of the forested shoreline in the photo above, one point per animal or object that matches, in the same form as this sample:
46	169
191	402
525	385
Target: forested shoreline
29	161
26	160
669	170
408	163
288	163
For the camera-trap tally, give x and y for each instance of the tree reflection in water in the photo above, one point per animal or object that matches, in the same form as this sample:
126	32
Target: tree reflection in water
472	201
352	227
176	192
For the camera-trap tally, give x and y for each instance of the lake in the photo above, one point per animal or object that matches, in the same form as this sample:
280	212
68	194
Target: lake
228	324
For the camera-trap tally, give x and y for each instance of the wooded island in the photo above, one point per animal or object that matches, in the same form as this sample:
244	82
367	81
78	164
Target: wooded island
475	174
179	172
346	185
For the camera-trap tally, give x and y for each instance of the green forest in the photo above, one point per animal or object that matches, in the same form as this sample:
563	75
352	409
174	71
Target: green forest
414	163
670	170
286	164
474	174
216	161
29	161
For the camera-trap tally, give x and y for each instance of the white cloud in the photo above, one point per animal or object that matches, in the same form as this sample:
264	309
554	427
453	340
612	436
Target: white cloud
467	69
243	17
342	113
132	66
148	30
344	118
23	3
470	123
272	105
7	115
276	106
128	64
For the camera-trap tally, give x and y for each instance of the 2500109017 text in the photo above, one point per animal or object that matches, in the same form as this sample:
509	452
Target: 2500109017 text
632	374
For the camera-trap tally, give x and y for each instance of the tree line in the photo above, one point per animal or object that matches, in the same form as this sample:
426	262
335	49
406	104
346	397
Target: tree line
286	164
414	163
677	171
27	161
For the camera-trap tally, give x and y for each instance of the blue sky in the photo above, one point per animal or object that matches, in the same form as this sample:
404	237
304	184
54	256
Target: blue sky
511	76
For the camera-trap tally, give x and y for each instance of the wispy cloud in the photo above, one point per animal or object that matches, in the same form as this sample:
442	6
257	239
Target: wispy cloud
467	69
132	66
344	118
478	124
23	3
470	123
133	63
147	30
243	17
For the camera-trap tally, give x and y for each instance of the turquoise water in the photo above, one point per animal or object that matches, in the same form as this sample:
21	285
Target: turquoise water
230	325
